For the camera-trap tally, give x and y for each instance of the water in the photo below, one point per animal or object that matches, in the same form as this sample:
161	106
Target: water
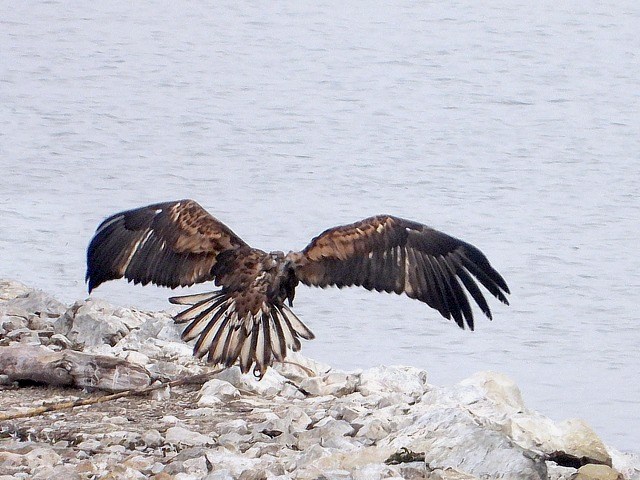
513	126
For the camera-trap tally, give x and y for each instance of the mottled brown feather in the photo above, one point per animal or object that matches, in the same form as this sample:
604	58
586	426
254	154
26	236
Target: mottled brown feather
169	244
391	254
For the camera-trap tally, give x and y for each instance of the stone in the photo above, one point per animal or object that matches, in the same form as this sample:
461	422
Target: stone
233	463
9	459
592	471
64	471
238	425
216	391
136	357
91	323
407	380
222	474
90	445
60	340
336	384
152	438
297	367
373	429
42	456
451	437
579	439
375	471
182	436
270	385
141	463
11	322
17	296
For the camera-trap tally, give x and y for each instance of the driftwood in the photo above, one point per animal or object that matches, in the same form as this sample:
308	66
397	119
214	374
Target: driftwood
79	402
70	368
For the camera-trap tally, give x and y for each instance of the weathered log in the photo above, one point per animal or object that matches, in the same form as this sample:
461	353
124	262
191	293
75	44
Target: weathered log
39	364
81	402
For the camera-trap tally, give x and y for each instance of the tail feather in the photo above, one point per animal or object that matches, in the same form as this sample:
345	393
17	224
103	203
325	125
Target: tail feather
225	335
278	339
194	298
199	310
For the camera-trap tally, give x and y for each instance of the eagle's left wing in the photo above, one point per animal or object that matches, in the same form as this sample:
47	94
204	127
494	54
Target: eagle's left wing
169	244
390	254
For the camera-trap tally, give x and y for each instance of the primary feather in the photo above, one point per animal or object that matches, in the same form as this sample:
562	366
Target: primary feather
248	321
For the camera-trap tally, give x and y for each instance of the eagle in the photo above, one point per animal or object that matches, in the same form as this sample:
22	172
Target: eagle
249	319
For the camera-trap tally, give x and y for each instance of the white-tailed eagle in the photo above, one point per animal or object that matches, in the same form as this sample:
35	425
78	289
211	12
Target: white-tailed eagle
179	243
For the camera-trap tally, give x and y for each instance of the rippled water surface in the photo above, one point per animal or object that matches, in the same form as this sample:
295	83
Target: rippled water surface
513	126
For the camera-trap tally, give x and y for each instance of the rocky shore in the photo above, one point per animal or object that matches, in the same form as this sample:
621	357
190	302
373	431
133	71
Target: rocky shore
304	420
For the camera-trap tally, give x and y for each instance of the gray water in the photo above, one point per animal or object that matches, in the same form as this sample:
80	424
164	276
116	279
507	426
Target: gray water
514	126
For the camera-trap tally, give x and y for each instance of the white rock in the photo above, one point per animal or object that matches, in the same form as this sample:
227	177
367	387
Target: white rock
222	474
91	323
336	384
10	289
59	471
197	466
380	380
580	440
297	367
498	388
16	295
182	436
12	322
172	348
216	391
297	418
136	357
187	476
170	419
270	385
42	456
329	427
238	425
142	463
348	411
394	399
451	437
289	390
9	459
152	438
341	443
375	471
235	464
557	472
373	429
89	445
325	459
574	437
628	464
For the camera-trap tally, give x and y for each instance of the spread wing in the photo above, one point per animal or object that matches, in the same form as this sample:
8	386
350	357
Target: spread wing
170	244
390	254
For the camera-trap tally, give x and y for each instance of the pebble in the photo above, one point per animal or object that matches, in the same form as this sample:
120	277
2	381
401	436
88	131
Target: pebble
152	438
183	436
216	391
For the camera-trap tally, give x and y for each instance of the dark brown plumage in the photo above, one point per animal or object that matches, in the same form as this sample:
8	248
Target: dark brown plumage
179	243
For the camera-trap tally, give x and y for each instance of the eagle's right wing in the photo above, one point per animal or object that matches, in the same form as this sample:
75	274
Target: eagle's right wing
391	254
169	244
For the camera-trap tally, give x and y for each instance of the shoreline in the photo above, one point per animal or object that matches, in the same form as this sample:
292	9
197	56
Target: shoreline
303	420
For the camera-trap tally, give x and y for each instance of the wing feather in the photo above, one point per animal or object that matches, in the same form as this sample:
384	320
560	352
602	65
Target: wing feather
169	244
391	254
